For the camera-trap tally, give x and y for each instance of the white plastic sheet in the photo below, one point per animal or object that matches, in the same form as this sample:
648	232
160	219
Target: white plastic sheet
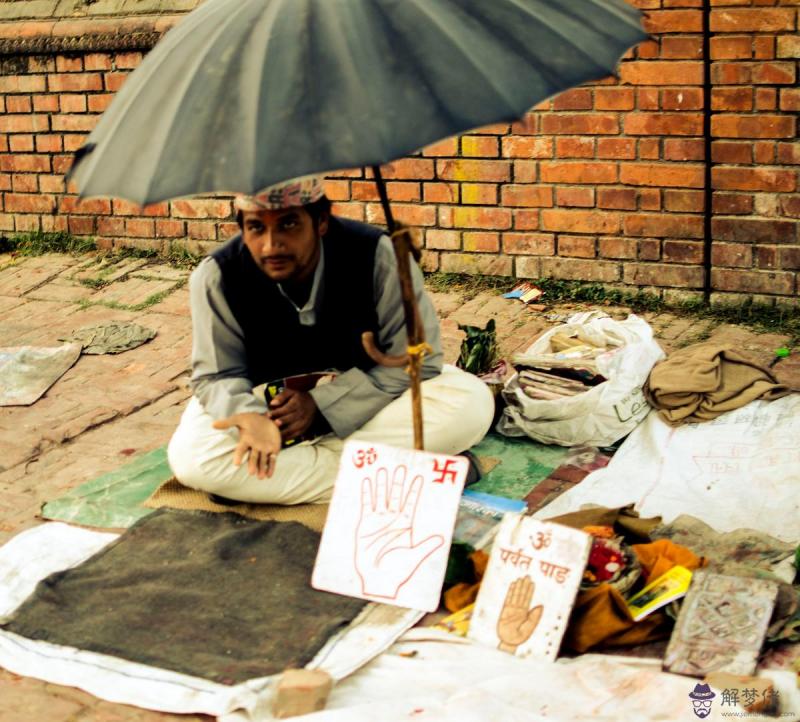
739	471
606	412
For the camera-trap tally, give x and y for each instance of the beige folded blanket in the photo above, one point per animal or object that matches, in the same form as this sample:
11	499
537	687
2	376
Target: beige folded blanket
702	381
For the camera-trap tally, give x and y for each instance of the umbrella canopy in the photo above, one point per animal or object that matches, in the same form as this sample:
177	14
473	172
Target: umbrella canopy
246	93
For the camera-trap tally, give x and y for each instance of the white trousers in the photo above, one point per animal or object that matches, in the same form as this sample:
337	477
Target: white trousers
457	412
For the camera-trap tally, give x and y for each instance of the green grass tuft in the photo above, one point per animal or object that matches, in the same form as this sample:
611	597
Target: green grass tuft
38	243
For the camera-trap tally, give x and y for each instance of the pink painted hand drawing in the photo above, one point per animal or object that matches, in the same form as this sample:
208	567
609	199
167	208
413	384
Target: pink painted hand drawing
387	554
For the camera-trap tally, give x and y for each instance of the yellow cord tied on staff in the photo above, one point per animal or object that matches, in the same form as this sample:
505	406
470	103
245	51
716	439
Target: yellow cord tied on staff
419	349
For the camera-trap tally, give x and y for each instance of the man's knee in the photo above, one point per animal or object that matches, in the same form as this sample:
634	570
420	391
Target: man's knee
187	465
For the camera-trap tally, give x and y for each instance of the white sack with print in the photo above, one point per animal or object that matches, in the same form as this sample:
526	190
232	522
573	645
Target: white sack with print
606	412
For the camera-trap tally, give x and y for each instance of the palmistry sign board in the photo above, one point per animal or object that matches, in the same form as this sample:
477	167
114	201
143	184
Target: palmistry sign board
390	525
530	585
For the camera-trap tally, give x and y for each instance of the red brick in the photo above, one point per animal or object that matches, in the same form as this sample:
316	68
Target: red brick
398	191
764	152
662	174
616	247
526	220
25	183
364	191
616	148
476	217
205	208
764	47
410	214
673	21
580	269
790	99
74	82
23	124
88	206
574	99
789	153
789	258
576	197
732	254
757	20
664	124
535	244
45	103
649	199
21	143
576	246
440	192
580	221
527	146
111	226
142	228
97	61
684	201
73	123
487	264
578	172
732	152
683	251
23	163
682	99
40	203
409	169
753	230
480	146
338	190
680	48
649	148
112	82
646	50
529	125
73	141
683	149
613	98
772	282
790	206
753	126
61	163
732	98
81	225
664	225
22	83
656	72
442	240
447	147
579	147
731	48
169	228
478	194
18	104
487	171
777	73
647	99
766	98
51	184
649	249
580	124
754	179
528	196
616	198
655	274
526	171
731	73
482	242
127	61
732	204
73	103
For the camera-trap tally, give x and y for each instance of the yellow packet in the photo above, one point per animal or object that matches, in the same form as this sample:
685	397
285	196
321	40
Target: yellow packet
671	585
458	622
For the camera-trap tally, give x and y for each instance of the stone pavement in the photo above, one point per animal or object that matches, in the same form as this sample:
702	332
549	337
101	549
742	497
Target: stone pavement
106	409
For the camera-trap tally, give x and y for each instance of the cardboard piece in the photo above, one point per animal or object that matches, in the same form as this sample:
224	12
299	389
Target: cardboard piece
721	625
390	525
529	588
301	691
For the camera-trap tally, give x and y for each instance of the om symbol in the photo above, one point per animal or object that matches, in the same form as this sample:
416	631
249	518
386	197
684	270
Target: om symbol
364	457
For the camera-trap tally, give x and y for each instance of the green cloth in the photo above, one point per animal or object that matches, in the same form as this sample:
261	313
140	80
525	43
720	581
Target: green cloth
114	500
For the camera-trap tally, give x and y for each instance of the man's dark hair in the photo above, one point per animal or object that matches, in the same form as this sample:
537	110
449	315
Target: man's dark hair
316	210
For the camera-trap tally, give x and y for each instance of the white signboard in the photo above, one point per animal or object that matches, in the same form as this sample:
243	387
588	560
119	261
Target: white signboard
530	585
390	525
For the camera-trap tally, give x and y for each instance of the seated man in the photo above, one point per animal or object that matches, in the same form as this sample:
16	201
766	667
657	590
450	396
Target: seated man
290	295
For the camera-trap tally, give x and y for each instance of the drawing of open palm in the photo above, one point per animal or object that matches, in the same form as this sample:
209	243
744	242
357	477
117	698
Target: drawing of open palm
517	620
387	554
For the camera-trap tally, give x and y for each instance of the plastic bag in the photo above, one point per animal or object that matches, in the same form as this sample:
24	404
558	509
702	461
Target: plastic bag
604	413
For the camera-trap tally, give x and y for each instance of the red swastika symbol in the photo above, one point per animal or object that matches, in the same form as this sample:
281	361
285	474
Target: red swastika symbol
445	471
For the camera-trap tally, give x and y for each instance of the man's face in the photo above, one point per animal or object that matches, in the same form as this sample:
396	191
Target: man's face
284	243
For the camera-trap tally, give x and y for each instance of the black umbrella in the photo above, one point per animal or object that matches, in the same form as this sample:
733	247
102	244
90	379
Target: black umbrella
243	94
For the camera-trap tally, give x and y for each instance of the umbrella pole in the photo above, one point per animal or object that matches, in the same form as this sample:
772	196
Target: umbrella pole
403	249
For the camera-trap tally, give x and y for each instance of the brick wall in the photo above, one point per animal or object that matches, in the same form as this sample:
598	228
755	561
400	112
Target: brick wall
606	182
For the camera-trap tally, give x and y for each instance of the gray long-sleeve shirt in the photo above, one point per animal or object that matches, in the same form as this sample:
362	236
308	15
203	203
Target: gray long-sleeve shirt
219	361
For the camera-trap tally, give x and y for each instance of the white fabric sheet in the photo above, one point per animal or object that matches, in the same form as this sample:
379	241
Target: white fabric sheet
739	471
34	554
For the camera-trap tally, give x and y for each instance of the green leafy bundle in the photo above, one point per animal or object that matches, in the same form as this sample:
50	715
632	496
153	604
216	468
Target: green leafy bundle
479	348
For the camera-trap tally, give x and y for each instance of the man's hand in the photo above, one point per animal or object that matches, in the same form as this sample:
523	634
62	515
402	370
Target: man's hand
293	413
259	439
